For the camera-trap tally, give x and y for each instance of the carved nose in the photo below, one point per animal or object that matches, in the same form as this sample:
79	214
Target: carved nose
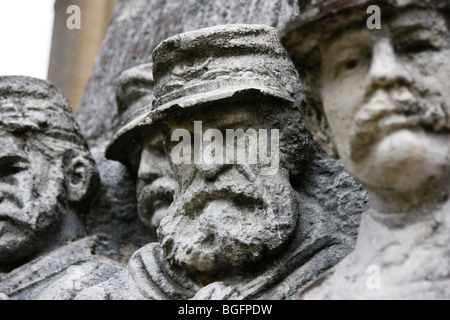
148	170
149	177
386	69
210	171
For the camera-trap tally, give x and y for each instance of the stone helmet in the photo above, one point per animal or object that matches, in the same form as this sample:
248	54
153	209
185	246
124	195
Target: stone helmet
219	64
28	103
134	98
320	19
36	110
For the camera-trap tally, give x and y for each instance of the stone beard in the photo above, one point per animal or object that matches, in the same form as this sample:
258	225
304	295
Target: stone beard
232	222
230	216
154	199
155	183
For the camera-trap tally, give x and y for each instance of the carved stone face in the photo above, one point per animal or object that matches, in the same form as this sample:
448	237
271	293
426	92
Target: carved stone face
226	215
155	182
387	100
31	186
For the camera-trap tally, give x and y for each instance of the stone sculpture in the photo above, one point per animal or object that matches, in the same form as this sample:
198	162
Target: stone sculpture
136	28
140	148
380	101
232	232
48	180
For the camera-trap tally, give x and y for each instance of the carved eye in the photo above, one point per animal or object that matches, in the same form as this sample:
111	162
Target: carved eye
346	66
354	61
11	166
352	64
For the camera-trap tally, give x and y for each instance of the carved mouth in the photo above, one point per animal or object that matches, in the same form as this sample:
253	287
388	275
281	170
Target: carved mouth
395	121
199	201
157	194
380	119
156	198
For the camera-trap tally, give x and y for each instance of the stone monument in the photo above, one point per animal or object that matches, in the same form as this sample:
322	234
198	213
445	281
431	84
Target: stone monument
236	230
140	148
379	100
136	28
48	181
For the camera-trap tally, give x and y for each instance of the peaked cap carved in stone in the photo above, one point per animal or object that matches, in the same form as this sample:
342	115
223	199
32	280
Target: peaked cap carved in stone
221	63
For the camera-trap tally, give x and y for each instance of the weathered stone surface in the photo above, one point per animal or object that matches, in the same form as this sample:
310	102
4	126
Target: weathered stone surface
139	26
136	28
48	181
236	230
313	205
380	101
62	273
140	148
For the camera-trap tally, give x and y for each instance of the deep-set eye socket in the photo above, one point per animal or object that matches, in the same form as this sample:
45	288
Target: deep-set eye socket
12	165
415	47
352	63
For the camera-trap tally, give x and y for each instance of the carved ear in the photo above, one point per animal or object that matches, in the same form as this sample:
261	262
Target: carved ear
317	123
80	180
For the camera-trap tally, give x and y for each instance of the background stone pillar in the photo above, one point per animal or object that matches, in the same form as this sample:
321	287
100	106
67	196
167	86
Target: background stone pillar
74	51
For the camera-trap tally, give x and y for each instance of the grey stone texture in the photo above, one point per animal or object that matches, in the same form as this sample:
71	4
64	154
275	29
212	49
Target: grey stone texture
232	232
136	29
379	100
140	147
48	182
62	273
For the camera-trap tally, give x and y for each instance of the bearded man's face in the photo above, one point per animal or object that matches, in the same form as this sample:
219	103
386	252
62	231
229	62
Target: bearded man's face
226	215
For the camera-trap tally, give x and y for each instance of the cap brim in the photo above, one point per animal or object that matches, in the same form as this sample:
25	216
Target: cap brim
303	34
126	139
201	99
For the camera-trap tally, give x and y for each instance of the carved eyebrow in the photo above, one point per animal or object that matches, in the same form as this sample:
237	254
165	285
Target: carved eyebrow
402	31
418	38
400	28
349	40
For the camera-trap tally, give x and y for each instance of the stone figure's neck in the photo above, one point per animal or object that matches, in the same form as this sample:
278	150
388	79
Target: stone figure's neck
398	210
379	230
404	216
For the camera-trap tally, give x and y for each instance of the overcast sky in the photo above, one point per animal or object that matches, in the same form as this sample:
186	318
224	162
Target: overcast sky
25	37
